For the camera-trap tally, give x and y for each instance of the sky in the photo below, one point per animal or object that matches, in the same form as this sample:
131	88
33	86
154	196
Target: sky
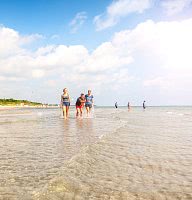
123	50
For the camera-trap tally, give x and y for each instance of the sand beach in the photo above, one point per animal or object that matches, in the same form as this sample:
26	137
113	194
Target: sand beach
115	155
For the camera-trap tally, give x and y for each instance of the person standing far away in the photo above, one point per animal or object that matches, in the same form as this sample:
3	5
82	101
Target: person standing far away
116	105
65	103
88	102
79	105
144	106
129	107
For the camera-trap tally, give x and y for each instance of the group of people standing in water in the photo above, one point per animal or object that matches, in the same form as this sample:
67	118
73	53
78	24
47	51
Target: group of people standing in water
129	106
83	100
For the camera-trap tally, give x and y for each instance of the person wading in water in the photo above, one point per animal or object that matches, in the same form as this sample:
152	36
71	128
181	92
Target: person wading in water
88	102
79	105
65	103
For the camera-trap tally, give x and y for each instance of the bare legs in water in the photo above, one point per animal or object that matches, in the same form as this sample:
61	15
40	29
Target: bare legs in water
65	112
79	112
88	111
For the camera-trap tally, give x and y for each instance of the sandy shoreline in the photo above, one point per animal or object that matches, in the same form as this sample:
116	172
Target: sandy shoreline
14	107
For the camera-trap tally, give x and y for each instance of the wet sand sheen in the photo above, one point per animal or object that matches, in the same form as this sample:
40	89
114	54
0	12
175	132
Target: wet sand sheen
142	160
116	155
35	143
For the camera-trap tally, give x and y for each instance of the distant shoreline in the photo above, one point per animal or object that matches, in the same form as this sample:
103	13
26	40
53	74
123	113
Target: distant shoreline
2	107
17	103
10	107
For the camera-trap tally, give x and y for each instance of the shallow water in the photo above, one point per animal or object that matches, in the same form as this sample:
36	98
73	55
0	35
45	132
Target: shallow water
115	155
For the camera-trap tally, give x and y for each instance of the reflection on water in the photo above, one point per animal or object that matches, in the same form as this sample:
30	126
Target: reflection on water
142	155
34	145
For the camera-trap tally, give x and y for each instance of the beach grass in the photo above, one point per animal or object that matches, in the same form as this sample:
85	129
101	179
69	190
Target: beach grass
16	102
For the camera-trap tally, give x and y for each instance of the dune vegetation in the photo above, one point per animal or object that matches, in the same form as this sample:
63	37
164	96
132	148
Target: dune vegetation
16	102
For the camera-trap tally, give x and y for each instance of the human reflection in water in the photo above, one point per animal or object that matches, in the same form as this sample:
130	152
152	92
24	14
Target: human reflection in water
85	130
66	125
77	133
70	140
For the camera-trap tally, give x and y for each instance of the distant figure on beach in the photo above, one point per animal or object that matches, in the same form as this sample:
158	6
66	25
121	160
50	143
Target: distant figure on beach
88	102
129	107
79	105
65	103
144	106
116	105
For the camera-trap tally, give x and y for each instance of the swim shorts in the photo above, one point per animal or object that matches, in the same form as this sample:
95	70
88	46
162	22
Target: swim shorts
66	104
88	105
80	107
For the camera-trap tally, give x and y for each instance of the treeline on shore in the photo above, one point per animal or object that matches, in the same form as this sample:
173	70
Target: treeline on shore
16	102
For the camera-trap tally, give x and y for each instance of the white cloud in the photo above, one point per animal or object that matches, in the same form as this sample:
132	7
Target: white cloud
146	55
162	82
38	73
60	56
55	36
106	57
173	83
11	42
119	9
78	21
175	6
170	42
18	61
50	83
30	38
5	78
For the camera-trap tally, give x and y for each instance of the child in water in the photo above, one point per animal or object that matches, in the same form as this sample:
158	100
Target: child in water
79	105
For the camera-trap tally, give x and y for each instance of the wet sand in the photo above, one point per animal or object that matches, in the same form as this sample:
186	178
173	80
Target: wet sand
116	155
147	159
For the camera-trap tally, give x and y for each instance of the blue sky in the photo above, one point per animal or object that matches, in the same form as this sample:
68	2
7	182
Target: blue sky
124	50
50	17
